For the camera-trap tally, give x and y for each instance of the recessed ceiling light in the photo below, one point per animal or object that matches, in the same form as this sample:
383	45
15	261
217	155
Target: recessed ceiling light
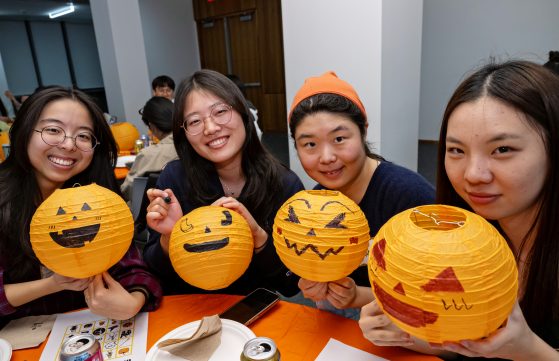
62	11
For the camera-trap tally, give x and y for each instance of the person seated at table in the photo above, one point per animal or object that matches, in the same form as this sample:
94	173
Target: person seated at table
163	86
221	162
498	158
60	138
157	115
328	124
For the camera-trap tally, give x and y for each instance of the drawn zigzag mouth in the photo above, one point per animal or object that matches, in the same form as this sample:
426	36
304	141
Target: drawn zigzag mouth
313	248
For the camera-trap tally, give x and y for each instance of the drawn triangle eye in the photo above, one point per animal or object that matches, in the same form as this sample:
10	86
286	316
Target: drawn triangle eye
291	216
337	222
86	207
60	211
444	281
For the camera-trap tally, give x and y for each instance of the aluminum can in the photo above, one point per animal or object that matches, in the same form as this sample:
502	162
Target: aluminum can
81	348
145	139
138	146
260	349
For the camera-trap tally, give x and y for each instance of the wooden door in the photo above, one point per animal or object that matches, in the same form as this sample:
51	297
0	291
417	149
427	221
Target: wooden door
245	38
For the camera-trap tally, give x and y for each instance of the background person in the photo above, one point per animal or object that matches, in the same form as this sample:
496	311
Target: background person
157	115
163	86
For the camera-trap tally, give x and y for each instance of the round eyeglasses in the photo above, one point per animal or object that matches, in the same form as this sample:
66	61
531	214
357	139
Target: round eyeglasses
220	113
53	135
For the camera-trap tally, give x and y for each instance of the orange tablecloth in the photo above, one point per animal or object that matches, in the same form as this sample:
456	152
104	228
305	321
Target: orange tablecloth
300	332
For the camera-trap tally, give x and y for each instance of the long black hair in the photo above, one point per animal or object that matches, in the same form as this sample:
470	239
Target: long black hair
263	191
534	91
19	191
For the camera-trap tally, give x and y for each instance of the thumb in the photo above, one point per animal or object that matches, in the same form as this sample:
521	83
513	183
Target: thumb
108	279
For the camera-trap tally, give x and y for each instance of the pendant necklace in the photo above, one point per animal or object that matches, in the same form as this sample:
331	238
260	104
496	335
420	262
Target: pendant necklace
228	191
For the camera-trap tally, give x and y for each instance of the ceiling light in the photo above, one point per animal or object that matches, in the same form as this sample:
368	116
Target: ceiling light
62	11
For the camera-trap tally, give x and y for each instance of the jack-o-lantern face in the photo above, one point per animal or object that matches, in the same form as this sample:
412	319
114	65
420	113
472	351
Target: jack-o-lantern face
321	235
211	247
81	231
443	274
77	236
214	245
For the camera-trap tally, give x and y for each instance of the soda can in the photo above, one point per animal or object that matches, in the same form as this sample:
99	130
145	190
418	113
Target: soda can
145	139
260	349
81	348
138	146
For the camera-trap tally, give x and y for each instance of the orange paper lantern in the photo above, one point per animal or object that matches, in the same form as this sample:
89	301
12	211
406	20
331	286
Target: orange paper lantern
125	135
321	235
211	247
4	139
442	273
81	231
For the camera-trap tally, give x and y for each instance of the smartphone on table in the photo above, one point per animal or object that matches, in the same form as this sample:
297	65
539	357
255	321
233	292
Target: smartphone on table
251	307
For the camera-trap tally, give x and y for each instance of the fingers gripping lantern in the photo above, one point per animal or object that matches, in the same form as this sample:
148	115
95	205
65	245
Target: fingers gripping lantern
321	235
81	231
442	273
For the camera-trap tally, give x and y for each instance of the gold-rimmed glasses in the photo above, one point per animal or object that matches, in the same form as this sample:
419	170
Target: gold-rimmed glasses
54	135
220	113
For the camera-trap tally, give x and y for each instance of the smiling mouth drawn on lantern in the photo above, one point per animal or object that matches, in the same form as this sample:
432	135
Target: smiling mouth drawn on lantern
313	248
445	281
75	237
206	246
408	314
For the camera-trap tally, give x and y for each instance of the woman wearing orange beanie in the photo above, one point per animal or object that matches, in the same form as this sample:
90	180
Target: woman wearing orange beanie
329	125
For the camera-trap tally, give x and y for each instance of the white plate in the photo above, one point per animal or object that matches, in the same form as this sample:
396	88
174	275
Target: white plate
5	350
122	160
234	335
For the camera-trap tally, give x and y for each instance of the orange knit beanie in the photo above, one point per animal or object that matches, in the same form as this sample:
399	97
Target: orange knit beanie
326	83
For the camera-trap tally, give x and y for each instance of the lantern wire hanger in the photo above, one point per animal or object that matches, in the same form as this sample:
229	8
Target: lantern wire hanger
434	217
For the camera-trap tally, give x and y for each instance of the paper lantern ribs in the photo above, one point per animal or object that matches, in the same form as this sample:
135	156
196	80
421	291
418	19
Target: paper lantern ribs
321	235
442	273
125	135
81	231
211	247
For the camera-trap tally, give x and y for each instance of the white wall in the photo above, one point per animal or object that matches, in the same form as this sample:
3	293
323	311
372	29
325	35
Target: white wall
122	55
460	35
374	45
345	37
170	38
138	40
400	82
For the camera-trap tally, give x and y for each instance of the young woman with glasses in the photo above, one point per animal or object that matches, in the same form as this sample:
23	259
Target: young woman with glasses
221	162
60	138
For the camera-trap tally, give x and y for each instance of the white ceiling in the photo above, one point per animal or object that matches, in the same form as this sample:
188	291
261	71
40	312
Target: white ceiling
39	9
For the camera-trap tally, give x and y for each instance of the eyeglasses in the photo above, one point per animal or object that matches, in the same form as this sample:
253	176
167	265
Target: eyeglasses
53	135
220	114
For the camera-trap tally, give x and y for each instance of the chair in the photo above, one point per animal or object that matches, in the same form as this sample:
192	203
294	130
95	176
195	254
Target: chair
139	203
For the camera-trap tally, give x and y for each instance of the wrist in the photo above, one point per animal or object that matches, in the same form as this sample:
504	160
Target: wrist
164	241
140	297
51	285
